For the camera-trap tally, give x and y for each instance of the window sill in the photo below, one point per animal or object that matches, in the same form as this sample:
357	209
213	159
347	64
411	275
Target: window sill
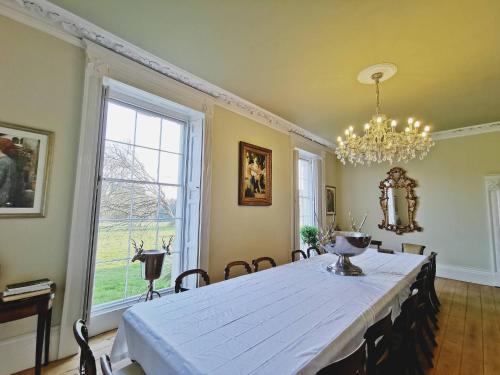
123	304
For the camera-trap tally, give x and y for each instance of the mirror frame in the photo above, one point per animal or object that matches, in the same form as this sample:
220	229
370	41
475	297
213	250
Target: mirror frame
397	179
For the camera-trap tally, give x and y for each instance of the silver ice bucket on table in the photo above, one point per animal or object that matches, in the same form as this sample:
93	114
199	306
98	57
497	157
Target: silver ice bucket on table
346	245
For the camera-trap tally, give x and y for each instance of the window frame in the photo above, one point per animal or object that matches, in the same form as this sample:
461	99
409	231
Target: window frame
101	65
119	98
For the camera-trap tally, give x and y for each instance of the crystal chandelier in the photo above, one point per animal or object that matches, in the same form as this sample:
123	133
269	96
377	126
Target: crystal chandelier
381	141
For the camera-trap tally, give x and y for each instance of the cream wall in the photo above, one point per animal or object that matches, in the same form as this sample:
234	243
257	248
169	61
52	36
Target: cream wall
42	84
41	87
452	199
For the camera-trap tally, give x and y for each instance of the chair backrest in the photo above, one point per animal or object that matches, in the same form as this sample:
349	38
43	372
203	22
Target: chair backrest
312	248
375	244
256	262
353	364
300	253
407	317
412	248
197	271
87	360
106	365
378	340
228	267
432	261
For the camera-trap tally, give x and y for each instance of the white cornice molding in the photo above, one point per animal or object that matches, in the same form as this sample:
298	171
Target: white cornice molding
50	18
467	131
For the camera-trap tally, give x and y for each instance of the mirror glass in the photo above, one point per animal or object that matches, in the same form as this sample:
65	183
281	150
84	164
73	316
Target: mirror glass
398	202
397	206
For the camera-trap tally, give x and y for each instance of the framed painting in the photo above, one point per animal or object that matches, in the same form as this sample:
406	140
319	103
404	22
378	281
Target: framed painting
24	167
330	200
255	176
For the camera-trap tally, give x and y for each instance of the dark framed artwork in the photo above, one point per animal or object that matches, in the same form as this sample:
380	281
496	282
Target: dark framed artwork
255	176
25	155
331	196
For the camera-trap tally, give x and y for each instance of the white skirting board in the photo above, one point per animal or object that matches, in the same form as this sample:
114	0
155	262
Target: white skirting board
18	353
471	275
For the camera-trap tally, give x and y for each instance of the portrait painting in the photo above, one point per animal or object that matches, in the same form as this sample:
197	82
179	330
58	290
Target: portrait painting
330	200
255	176
24	164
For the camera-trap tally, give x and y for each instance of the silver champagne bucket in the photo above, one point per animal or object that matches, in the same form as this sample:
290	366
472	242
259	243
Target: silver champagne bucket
346	245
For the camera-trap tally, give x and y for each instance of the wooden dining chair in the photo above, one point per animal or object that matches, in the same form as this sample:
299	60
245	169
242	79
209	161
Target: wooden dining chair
405	338
434	297
87	360
375	244
256	262
195	271
228	267
353	364
379	343
130	369
412	248
315	249
300	253
425	336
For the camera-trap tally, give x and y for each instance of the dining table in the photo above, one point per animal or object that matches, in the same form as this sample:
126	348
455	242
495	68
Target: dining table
292	319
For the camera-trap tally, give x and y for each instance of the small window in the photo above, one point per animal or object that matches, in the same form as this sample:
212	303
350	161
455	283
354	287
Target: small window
306	193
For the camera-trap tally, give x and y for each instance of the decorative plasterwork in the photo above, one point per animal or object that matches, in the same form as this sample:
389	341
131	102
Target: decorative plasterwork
493	183
467	130
57	21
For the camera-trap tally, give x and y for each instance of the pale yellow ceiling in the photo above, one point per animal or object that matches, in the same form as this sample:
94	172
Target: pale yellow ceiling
300	59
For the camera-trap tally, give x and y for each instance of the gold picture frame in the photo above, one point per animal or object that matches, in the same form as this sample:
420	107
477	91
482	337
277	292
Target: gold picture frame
255	176
25	164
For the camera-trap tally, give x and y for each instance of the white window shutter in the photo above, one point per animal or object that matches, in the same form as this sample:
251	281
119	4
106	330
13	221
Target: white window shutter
190	253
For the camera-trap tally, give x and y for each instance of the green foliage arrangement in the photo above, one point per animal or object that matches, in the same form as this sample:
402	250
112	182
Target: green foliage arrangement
309	235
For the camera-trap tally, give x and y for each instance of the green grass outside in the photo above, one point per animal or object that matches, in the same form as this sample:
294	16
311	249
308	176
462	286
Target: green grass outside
110	277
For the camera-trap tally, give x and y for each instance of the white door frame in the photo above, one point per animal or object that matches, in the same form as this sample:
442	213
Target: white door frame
493	198
104	63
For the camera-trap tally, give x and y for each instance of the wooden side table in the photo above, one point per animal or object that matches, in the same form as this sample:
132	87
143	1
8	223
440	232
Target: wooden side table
23	308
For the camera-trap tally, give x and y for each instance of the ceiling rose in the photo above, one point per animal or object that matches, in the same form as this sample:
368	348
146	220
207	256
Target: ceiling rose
381	141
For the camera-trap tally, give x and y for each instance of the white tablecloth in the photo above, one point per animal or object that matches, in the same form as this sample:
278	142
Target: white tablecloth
294	318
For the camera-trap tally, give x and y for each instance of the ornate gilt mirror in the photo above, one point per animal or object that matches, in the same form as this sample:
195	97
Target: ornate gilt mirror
398	202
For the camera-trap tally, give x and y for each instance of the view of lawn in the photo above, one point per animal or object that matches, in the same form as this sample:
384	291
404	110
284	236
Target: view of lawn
112	259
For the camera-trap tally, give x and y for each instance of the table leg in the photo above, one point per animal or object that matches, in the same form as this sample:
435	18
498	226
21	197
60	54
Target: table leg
48	322
40	328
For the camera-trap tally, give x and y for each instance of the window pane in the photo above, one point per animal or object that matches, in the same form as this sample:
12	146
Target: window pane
115	200
144	201
145	165
165	230
112	241
136	285
170	205
171	136
109	282
120	123
118	159
145	231
165	281
148	130
169	168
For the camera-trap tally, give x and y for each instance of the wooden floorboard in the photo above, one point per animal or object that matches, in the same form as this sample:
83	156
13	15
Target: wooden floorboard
468	337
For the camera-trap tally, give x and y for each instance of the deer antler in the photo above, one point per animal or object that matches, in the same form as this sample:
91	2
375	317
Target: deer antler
138	251
165	246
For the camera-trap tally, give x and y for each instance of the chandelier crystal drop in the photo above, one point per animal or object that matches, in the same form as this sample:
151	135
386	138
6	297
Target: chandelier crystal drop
381	141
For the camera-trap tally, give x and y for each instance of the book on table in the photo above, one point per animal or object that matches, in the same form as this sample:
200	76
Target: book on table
16	297
26	289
